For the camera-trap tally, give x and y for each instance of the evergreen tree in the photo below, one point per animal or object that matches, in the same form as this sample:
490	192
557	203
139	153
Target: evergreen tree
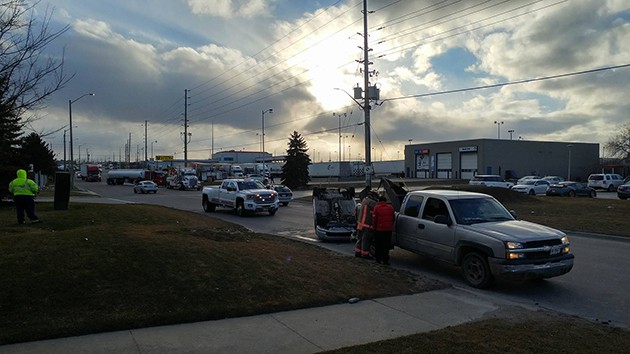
35	151
295	170
10	131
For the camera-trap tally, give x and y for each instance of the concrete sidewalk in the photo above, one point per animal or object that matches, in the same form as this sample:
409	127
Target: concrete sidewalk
301	331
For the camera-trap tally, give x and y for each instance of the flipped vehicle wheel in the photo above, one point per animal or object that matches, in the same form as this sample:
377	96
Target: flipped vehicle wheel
476	270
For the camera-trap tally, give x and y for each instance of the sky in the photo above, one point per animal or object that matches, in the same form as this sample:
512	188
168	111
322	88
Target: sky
219	64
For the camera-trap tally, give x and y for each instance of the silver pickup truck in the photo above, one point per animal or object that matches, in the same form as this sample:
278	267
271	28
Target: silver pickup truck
477	233
242	195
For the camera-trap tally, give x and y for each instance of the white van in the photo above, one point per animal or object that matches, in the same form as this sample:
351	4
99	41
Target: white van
607	181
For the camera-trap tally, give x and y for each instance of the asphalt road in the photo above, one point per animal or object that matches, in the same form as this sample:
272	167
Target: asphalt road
596	288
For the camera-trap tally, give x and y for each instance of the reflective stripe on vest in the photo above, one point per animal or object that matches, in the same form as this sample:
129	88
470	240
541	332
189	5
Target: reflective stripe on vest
362	223
23	189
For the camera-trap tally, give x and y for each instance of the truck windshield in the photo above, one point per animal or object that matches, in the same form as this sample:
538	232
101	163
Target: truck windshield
478	210
250	185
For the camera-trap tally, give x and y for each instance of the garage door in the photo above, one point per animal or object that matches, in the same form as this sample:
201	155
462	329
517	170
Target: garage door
468	165
444	165
422	166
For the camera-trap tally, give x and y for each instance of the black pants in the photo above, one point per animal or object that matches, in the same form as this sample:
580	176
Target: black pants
25	203
381	245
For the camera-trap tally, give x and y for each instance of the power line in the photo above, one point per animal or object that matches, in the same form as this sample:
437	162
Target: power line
509	83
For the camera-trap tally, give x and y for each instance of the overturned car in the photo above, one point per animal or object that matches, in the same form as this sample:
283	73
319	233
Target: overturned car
334	213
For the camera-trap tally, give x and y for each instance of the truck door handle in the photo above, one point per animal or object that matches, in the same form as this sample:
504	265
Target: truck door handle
421	226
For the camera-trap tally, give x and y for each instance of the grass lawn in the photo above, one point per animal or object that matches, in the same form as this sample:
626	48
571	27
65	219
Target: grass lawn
96	268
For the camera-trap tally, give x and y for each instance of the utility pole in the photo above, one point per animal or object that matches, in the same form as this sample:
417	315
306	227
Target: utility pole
185	127
366	99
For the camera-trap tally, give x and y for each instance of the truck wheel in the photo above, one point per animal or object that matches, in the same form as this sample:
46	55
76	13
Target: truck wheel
273	211
532	192
611	188
207	206
240	209
476	270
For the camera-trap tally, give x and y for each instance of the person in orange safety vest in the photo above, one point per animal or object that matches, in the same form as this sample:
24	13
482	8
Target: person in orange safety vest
364	226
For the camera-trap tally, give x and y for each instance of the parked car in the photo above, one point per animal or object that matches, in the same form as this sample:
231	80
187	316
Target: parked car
523	179
623	191
262	179
607	181
532	186
553	179
490	181
570	189
285	195
145	187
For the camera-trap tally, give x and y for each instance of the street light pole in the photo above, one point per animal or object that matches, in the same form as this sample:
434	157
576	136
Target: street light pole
65	162
498	128
70	102
569	169
270	110
511	131
152	156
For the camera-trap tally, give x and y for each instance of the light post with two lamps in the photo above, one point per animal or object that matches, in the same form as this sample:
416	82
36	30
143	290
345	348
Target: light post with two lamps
498	128
70	102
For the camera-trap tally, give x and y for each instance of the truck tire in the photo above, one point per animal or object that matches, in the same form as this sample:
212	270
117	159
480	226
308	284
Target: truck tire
273	211
207	206
240	208
476	270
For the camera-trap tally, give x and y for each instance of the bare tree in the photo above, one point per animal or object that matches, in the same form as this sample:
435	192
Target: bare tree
27	76
619	144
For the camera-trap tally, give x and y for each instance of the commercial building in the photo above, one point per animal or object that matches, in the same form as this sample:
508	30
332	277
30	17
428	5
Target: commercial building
509	158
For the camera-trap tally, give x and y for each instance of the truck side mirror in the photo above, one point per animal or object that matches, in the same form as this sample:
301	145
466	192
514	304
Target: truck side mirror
443	219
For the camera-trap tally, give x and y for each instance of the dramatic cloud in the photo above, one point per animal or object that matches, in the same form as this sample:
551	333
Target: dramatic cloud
235	59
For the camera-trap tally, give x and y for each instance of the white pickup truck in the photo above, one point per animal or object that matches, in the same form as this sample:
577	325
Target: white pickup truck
242	195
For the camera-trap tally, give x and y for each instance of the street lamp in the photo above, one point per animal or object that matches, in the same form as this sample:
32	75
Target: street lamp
65	162
498	128
70	102
569	169
152	156
270	110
